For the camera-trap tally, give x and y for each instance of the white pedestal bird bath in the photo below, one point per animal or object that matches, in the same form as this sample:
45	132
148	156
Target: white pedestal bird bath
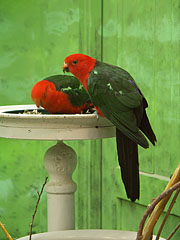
60	162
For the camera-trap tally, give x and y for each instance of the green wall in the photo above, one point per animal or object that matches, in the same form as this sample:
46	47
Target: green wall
140	36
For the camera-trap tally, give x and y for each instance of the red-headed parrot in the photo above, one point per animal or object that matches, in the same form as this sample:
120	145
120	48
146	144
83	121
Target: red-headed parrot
61	94
116	96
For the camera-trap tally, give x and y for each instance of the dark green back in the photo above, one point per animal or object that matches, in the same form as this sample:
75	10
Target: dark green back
72	87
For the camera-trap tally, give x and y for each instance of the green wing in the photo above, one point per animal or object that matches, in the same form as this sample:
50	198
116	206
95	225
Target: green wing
78	96
114	91
72	87
63	81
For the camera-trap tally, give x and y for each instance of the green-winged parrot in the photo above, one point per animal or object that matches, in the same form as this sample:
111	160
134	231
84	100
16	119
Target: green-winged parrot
116	96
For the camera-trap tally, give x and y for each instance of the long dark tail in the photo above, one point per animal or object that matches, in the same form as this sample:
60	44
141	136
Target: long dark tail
146	128
128	161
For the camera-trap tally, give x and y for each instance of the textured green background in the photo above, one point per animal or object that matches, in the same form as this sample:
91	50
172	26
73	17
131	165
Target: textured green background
142	37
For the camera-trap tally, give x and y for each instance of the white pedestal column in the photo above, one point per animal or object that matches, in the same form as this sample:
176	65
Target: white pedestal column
60	162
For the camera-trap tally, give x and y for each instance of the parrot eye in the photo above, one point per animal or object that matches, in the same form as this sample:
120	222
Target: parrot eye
74	62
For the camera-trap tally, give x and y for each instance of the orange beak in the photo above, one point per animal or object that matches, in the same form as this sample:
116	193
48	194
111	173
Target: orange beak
65	68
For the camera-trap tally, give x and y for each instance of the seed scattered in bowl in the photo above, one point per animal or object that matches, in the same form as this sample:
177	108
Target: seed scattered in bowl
35	111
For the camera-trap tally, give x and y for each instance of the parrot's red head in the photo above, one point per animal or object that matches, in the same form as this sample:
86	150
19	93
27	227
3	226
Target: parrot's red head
80	66
40	92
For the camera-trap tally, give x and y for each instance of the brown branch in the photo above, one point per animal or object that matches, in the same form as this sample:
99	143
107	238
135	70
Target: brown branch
160	205
5	231
152	206
173	232
33	216
167	214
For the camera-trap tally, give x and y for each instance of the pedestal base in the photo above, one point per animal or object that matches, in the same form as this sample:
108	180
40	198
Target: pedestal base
86	235
60	162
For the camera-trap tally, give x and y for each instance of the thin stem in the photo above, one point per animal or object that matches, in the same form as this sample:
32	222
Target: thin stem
5	231
33	216
167	214
173	232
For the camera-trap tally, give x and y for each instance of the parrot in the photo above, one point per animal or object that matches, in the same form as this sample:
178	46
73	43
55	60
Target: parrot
117	97
61	94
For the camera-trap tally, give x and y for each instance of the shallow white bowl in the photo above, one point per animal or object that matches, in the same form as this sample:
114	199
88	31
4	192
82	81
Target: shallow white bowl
52	126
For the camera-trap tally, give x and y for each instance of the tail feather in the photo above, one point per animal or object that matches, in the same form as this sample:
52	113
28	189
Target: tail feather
146	128
128	161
